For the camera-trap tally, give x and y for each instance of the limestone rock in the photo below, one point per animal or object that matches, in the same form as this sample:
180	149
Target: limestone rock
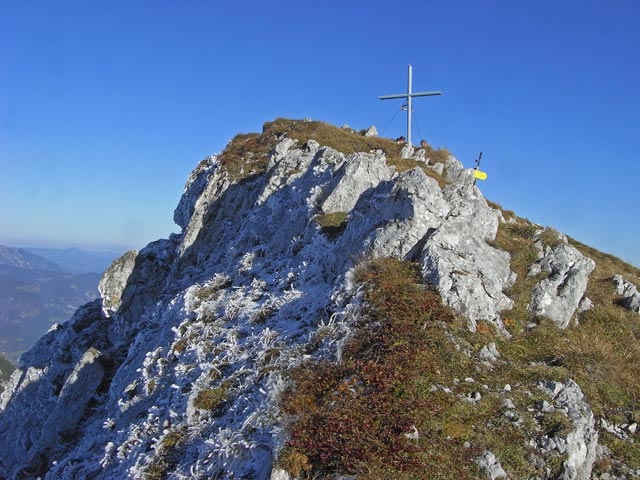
236	300
195	185
372	131
558	296
470	274
419	156
455	172
582	441
629	293
360	172
437	167
489	353
407	151
114	280
279	474
491	465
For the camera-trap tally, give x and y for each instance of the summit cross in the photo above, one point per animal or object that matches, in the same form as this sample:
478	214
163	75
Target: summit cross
409	95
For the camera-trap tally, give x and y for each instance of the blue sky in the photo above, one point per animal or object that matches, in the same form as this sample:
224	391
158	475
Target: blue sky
105	107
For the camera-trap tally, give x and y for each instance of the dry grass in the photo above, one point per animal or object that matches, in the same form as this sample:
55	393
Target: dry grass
352	417
247	155
211	399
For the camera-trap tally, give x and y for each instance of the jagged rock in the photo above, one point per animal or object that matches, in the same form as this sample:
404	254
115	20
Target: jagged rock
585	305
582	441
491	465
471	275
629	293
196	183
419	156
437	167
311	146
372	131
455	172
114	280
279	474
558	296
407	151
489	353
362	171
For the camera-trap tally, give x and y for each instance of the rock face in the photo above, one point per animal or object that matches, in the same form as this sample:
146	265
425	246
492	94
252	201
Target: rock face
114	281
177	368
559	295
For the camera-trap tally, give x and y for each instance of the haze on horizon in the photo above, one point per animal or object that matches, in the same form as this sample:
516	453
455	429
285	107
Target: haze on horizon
106	108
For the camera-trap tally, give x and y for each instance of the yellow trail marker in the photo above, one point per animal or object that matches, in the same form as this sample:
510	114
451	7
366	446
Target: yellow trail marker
480	175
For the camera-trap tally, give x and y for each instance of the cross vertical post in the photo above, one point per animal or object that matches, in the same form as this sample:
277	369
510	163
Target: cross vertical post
409	96
409	105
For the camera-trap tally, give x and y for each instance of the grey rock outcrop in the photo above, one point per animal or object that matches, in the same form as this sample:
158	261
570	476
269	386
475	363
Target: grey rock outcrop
491	465
407	151
489	353
581	443
559	295
114	280
471	275
372	131
361	172
629	293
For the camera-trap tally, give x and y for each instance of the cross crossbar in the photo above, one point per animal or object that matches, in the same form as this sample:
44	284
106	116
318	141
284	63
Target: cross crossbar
409	95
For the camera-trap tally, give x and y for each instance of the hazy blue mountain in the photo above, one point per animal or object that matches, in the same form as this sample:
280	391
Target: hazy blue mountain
21	258
75	260
34	294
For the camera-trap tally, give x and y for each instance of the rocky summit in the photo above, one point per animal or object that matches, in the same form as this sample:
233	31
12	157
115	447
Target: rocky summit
336	308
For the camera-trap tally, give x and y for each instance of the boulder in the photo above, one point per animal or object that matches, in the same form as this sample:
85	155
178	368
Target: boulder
491	465
372	131
629	293
559	295
407	151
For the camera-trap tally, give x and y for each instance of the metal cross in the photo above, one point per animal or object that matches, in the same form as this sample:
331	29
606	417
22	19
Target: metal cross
409	95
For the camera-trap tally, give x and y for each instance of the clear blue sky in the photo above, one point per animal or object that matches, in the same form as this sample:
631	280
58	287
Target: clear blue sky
105	107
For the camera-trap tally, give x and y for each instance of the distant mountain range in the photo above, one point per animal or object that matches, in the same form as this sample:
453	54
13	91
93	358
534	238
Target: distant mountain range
21	258
43	286
74	260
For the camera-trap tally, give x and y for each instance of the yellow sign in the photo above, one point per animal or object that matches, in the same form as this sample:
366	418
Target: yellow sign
480	175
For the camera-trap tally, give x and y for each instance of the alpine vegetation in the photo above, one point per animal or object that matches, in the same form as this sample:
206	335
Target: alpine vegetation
333	308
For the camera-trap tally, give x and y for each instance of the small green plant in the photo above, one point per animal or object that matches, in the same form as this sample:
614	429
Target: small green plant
335	219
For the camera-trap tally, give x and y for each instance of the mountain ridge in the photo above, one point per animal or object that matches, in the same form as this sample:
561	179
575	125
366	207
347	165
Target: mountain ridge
186	366
22	258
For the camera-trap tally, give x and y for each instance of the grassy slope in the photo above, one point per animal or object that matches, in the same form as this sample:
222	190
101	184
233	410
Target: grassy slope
351	417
